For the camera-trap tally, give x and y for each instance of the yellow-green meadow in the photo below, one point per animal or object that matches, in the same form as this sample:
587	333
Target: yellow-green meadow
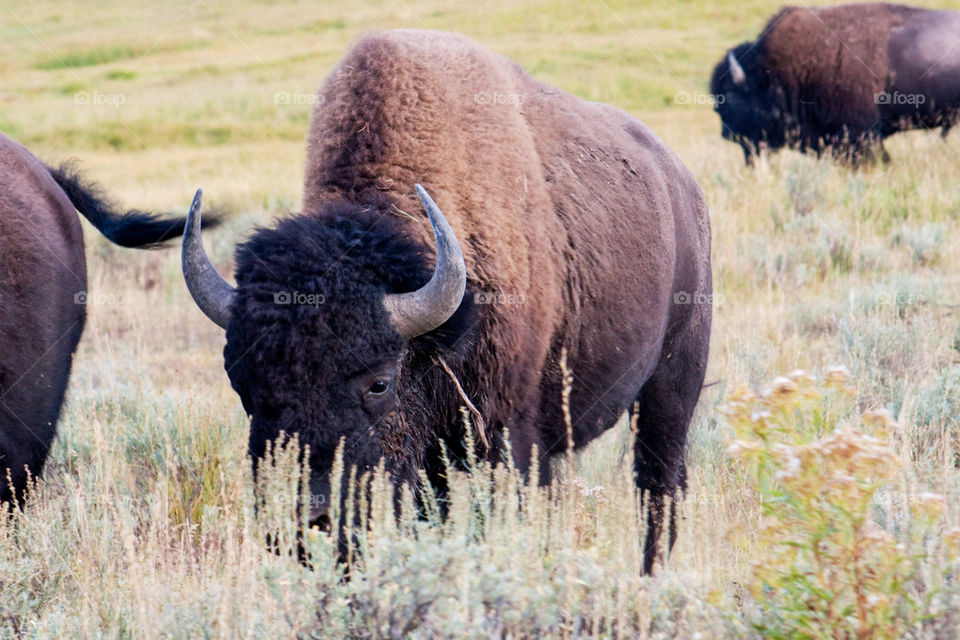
836	342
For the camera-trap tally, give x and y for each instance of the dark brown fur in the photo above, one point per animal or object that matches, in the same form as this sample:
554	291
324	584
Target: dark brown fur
818	77
42	268
834	57
575	207
575	214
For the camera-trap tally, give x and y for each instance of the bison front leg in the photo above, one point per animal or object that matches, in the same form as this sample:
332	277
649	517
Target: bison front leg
662	413
751	153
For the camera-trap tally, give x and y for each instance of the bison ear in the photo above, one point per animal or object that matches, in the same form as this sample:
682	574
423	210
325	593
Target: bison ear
736	71
455	338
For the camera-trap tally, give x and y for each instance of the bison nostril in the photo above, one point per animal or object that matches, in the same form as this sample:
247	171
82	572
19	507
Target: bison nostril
321	522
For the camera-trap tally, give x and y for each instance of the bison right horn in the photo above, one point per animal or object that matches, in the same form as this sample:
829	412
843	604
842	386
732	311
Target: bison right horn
417	312
736	71
212	293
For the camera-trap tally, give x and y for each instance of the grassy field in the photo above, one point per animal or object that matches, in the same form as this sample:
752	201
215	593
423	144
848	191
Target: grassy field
144	527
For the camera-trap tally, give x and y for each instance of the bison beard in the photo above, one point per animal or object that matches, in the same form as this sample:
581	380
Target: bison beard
840	79
581	233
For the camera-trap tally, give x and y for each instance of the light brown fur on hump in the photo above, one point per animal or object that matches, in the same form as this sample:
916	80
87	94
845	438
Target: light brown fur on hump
409	107
497	150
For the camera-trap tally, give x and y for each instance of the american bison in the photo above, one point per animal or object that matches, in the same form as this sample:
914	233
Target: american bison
43	282
841	78
567	227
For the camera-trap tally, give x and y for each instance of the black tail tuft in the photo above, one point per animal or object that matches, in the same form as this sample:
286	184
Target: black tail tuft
130	229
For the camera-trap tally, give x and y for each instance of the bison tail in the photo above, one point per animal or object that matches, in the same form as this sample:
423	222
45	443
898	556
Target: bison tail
128	229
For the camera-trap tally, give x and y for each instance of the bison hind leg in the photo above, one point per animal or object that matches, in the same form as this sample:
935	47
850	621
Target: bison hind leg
662	417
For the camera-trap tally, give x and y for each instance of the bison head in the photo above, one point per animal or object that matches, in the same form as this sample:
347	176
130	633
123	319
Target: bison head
750	101
330	317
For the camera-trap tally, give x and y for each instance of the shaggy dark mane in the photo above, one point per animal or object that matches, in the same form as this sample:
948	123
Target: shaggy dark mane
341	247
369	241
341	233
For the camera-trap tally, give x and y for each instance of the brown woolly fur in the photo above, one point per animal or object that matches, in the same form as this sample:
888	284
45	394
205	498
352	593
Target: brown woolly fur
582	234
844	77
837	55
43	282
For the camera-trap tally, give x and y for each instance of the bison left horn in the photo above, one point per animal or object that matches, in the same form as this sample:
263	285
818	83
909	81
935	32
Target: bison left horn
211	292
417	312
736	71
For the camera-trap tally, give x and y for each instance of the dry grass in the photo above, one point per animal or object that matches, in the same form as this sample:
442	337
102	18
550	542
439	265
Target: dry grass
143	525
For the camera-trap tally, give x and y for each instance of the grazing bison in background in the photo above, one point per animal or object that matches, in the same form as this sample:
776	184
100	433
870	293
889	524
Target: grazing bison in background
43	282
842	78
566	227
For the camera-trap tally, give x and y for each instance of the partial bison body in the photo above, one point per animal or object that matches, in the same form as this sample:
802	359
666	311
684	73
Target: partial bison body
843	78
43	283
566	227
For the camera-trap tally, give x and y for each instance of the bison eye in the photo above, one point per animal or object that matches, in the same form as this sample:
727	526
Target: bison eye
378	388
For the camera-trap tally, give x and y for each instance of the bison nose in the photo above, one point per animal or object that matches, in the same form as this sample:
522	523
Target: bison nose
319	514
320	521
